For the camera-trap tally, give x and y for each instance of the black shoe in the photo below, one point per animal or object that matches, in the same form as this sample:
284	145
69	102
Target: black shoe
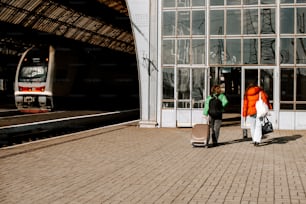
256	144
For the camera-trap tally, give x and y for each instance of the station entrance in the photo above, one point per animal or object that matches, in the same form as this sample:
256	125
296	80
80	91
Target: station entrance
193	87
235	80
229	78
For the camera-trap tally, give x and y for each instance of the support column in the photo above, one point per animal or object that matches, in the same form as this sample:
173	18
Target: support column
143	16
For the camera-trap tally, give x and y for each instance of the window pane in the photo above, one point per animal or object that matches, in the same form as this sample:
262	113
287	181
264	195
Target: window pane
286	50
286	20
301	51
216	51
267	51
233	22
233	48
250	24
183	83
267	21
301	20
287	79
183	51
214	73
169	23
216	2
250	2
183	23
301	84
198	22
198	84
300	1
287	1
198	2
168	52
251	76
233	2
168	83
217	22
198	51
286	106
267	1
266	81
168	104
183	3
250	48
33	73
300	106
169	3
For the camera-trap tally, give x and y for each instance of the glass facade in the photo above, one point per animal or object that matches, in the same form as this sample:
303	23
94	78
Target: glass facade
292	55
224	36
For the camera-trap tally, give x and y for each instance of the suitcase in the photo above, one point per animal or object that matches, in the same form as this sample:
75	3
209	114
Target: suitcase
200	135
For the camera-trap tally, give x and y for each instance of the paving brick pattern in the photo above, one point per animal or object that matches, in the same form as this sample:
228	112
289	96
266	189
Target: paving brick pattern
128	164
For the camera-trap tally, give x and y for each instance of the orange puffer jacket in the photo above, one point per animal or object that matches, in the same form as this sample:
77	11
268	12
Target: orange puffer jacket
250	98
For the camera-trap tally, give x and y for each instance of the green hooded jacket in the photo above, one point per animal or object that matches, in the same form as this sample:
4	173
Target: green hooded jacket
222	98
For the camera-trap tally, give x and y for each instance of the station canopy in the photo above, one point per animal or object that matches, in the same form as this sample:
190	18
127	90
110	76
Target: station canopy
102	23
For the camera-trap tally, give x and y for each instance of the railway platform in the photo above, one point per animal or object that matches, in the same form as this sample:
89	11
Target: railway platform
127	164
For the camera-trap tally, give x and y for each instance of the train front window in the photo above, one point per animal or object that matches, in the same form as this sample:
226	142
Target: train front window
33	74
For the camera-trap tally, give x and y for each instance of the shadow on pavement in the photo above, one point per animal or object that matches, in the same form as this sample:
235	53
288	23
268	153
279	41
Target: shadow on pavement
234	141
280	140
276	140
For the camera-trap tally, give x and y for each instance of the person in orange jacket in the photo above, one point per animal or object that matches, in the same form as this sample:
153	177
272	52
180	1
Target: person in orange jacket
251	96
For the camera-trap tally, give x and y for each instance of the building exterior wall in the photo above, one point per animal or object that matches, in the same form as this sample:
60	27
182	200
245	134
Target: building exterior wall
189	45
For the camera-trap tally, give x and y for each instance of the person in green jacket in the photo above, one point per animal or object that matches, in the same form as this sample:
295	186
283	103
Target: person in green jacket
214	110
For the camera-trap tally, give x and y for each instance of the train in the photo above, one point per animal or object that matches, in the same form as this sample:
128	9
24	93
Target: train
55	77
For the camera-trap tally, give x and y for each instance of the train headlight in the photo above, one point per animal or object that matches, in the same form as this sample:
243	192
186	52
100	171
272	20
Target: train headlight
42	99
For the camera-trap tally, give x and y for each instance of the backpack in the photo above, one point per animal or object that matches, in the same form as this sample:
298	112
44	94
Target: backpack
215	107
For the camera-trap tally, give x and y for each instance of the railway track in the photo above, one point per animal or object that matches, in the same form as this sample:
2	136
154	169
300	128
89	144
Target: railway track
18	129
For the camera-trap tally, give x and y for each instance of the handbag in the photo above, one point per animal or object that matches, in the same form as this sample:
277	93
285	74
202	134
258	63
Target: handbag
261	107
267	126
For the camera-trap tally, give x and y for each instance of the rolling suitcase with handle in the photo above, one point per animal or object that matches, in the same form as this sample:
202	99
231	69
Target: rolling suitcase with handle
200	135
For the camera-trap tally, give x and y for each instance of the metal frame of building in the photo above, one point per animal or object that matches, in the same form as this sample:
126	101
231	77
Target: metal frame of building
62	20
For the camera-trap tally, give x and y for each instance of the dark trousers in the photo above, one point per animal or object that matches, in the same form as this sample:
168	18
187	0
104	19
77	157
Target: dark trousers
215	125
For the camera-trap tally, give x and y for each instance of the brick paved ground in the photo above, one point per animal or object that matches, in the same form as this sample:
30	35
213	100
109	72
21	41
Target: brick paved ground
128	164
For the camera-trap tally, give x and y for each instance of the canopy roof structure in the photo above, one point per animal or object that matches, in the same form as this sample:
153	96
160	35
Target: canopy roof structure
103	23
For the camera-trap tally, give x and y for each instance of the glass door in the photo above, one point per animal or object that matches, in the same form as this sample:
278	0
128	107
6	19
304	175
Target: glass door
229	78
190	94
261	76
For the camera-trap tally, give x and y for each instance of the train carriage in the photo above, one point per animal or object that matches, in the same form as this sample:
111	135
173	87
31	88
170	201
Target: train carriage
57	77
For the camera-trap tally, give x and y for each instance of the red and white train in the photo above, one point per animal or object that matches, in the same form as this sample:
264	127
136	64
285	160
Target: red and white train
56	77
